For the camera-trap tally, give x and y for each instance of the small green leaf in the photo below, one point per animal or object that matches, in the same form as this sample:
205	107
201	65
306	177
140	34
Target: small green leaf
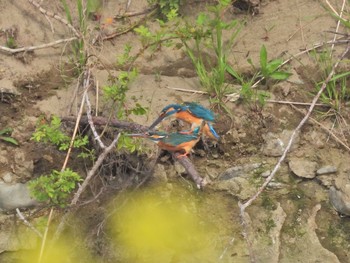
280	75
9	139
263	57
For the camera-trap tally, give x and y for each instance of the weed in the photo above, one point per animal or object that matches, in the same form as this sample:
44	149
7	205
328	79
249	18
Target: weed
51	133
5	135
269	224
55	187
168	9
11	42
336	92
78	46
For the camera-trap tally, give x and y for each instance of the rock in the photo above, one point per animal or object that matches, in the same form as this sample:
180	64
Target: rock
326	170
14	196
160	173
7	177
340	200
266	173
302	167
325	180
275	144
180	170
6	86
24	165
239	171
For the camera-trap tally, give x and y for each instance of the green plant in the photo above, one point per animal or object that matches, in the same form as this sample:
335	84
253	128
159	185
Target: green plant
208	33
337	91
55	187
11	42
51	133
78	46
5	135
168	9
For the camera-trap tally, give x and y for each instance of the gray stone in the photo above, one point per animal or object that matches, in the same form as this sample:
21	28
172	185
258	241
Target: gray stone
239	171
180	170
275	143
160	173
24	165
302	167
14	196
340	200
6	86
7	177
326	170
266	173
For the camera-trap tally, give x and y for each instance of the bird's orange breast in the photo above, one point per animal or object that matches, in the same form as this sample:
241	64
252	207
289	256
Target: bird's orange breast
188	117
184	147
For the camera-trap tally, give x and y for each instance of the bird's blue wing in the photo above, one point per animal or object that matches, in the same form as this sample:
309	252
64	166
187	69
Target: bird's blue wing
177	138
200	111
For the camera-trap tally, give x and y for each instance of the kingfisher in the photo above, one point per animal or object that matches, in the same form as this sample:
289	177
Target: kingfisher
191	113
173	142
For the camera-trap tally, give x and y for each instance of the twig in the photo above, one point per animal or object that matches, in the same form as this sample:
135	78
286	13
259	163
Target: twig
55	16
338	24
86	86
91	123
191	170
244	205
296	103
131	27
20	215
45	237
93	170
82	187
324	128
31	48
124	125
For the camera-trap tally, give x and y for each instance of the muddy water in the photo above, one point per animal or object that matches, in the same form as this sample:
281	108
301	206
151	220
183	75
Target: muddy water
177	223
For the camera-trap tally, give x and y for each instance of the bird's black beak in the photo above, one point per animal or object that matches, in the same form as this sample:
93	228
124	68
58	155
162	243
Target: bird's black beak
156	122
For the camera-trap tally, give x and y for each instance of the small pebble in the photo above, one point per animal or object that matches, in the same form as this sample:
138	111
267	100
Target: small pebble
326	170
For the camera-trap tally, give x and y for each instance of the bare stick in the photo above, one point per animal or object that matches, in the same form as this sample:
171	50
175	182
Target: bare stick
31	48
25	221
338	24
191	170
92	126
325	129
302	122
244	205
101	121
86	86
83	186
45	237
93	170
55	16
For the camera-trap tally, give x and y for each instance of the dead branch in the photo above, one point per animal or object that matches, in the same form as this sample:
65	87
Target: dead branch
190	169
55	16
83	186
324	128
31	48
25	221
246	204
102	121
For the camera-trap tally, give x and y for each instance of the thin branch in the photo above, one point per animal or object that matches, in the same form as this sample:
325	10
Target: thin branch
191	170
91	123
337	27
244	205
102	121
45	236
55	16
82	187
25	221
324	128
302	122
93	170
86	86
31	48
